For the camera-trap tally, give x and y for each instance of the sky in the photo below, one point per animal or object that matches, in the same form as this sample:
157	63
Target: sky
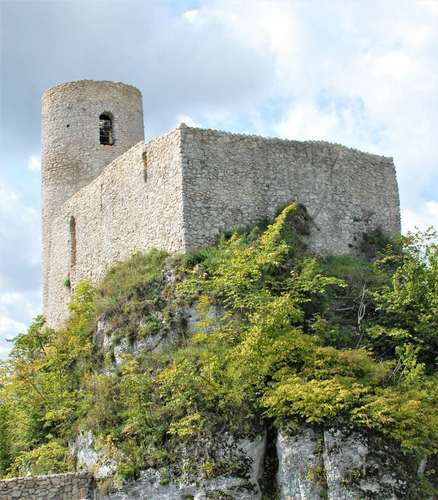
360	73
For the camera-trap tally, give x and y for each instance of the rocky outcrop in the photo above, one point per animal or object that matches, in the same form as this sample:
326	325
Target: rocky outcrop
300	473
96	459
339	464
336	463
241	463
357	467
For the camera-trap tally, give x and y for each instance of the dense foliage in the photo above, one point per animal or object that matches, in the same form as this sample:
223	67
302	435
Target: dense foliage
282	338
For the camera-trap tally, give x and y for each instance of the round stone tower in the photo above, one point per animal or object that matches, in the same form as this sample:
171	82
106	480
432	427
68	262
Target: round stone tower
85	125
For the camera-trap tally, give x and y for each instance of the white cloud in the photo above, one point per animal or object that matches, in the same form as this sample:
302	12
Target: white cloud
19	264
34	163
24	304
187	120
432	5
7	199
305	120
9	328
191	15
361	73
422	217
19	230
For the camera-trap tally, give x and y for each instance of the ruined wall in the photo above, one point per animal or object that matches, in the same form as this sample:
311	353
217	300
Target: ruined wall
235	180
180	191
72	155
70	486
136	203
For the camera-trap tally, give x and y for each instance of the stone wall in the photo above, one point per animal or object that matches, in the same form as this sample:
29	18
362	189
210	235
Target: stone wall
233	180
135	204
70	486
180	191
72	155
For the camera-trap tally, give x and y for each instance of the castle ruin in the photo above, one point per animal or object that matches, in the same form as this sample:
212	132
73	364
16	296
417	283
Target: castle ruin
107	193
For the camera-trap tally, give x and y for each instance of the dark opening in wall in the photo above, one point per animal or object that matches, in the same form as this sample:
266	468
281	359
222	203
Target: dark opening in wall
106	129
72	242
145	166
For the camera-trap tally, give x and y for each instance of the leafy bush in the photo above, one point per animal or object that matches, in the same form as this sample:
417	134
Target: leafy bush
283	338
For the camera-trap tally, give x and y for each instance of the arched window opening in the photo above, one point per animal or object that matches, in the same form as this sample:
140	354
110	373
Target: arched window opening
72	242
106	129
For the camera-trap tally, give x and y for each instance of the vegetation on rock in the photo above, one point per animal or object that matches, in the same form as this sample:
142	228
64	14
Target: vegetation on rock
294	339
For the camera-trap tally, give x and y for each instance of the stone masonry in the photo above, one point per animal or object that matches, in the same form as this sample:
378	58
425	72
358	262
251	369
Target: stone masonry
180	191
72	155
70	486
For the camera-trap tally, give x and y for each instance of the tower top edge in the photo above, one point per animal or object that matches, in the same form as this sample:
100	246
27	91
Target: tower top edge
88	84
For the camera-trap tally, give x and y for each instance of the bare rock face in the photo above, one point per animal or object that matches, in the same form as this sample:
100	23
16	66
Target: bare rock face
338	464
357	467
300	465
98	460
243	456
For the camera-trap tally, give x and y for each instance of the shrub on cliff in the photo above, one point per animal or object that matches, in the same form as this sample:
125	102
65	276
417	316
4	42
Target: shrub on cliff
293	339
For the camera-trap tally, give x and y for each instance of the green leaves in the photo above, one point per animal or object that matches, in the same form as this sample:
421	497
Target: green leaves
408	303
314	401
289	309
281	336
41	385
49	458
405	412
